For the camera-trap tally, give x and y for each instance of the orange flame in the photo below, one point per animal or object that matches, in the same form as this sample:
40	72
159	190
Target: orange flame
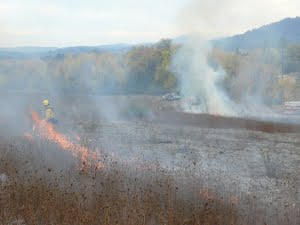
28	136
234	200
48	132
207	195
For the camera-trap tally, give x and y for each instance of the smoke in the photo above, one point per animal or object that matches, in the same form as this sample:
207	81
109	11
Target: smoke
200	83
205	86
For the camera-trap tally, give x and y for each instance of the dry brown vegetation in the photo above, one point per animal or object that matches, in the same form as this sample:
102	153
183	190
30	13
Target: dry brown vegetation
38	193
41	184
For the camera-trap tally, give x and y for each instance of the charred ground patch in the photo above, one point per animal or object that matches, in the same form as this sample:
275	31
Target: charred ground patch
36	192
154	174
164	168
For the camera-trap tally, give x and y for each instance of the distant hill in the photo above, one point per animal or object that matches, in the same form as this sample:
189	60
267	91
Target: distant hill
271	35
23	52
44	52
101	48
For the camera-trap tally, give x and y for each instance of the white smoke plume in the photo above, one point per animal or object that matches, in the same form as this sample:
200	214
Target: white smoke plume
200	83
202	86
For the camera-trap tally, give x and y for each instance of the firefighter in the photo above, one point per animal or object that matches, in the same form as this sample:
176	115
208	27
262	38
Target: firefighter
49	116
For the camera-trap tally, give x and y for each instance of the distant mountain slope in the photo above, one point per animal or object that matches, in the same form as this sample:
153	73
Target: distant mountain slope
31	52
101	48
266	36
23	52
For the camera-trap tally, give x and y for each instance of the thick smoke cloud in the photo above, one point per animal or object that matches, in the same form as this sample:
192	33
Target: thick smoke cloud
204	89
199	82
203	86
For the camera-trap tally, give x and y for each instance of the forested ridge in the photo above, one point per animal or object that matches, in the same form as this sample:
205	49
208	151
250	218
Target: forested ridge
147	69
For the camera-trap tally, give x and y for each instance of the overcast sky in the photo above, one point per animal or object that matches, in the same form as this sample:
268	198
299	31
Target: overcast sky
96	22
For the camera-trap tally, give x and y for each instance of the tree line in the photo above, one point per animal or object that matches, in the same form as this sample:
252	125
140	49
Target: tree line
145	69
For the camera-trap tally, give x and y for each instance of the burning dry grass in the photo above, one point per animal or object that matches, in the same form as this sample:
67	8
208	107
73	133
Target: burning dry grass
48	132
38	193
44	186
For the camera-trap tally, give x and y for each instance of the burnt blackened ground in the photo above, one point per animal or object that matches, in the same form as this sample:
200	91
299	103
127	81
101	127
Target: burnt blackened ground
154	174
162	167
37	190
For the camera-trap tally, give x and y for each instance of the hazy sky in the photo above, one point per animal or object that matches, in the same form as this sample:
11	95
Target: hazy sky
96	22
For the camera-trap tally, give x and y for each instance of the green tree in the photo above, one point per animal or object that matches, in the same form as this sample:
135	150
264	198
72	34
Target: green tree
163	76
142	63
293	59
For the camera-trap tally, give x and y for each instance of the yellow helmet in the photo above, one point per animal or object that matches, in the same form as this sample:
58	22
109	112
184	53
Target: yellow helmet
46	102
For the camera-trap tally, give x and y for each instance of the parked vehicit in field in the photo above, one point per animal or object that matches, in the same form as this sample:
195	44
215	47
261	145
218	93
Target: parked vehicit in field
292	108
172	96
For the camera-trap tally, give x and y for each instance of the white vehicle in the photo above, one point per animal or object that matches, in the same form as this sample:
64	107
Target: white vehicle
171	96
292	108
